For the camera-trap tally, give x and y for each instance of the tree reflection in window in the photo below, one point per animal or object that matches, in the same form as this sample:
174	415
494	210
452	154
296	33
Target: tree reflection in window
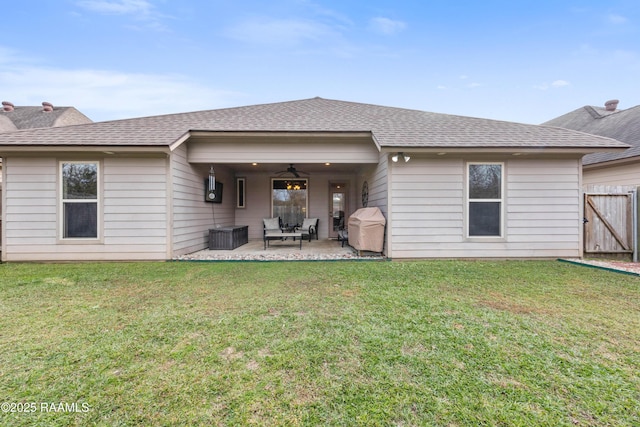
79	200
485	200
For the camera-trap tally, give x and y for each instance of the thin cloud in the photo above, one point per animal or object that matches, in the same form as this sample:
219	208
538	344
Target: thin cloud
310	29
326	13
615	19
120	7
104	94
279	31
386	26
554	84
9	56
140	10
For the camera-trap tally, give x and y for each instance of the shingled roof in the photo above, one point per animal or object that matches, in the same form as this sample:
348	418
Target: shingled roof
390	127
14	118
622	125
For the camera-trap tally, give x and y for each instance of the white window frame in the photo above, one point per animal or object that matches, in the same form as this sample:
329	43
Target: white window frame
501	200
64	201
241	192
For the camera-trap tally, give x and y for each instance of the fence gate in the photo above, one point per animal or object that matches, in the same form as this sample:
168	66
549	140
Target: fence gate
608	229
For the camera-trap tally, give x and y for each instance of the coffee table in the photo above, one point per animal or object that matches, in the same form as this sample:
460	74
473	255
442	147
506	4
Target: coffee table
281	236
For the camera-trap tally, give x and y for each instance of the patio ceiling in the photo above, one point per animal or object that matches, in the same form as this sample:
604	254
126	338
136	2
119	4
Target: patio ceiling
310	168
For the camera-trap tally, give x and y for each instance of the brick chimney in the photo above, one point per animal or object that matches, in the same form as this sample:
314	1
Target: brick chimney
611	105
47	107
7	106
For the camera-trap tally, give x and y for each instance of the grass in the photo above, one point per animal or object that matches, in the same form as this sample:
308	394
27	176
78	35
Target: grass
447	343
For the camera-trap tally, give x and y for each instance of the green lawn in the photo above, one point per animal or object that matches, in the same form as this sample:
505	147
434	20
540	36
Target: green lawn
447	343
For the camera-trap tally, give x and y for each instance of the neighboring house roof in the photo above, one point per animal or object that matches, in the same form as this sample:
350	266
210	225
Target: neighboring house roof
6	125
623	125
389	126
14	118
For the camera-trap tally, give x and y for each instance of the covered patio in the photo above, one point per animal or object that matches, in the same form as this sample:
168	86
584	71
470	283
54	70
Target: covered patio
286	250
291	175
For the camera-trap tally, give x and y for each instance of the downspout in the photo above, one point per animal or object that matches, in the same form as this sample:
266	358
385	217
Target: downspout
635	224
389	232
581	211
169	203
3	224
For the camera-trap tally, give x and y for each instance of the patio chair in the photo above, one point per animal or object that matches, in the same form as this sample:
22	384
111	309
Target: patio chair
308	228
271	225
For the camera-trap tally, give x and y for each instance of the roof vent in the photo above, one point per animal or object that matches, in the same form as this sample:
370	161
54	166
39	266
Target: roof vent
7	106
611	105
47	107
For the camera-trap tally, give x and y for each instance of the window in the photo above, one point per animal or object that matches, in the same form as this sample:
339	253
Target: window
289	200
485	196
240	196
79	200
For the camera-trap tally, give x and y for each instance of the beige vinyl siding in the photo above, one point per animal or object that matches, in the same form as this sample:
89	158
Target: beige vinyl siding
270	150
258	203
192	216
30	211
544	208
378	185
624	174
131	219
427	199
541	212
135	206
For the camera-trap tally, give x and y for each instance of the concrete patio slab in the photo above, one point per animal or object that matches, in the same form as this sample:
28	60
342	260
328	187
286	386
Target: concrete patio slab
286	250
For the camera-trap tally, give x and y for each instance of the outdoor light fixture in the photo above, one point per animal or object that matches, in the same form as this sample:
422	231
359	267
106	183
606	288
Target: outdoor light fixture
396	156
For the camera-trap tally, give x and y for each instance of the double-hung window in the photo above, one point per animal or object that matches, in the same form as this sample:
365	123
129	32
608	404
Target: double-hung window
485	199
79	200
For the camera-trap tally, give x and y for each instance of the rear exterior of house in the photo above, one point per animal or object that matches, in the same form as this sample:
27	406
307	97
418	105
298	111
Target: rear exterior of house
472	188
130	210
433	215
14	118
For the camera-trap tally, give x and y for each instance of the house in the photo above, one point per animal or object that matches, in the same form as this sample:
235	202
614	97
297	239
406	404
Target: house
608	168
449	186
14	118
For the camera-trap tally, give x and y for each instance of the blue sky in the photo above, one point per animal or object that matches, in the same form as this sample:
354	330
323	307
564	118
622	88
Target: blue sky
524	61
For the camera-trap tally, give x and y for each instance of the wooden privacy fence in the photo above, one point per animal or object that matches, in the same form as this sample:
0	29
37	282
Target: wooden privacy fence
609	221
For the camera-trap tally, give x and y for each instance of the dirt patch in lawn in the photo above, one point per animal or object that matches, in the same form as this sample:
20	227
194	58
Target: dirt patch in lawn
502	303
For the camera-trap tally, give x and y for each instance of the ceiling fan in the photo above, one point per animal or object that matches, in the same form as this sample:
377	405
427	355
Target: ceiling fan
292	170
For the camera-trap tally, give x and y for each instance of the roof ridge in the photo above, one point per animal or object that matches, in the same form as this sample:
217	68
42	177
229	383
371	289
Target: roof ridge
593	112
391	126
